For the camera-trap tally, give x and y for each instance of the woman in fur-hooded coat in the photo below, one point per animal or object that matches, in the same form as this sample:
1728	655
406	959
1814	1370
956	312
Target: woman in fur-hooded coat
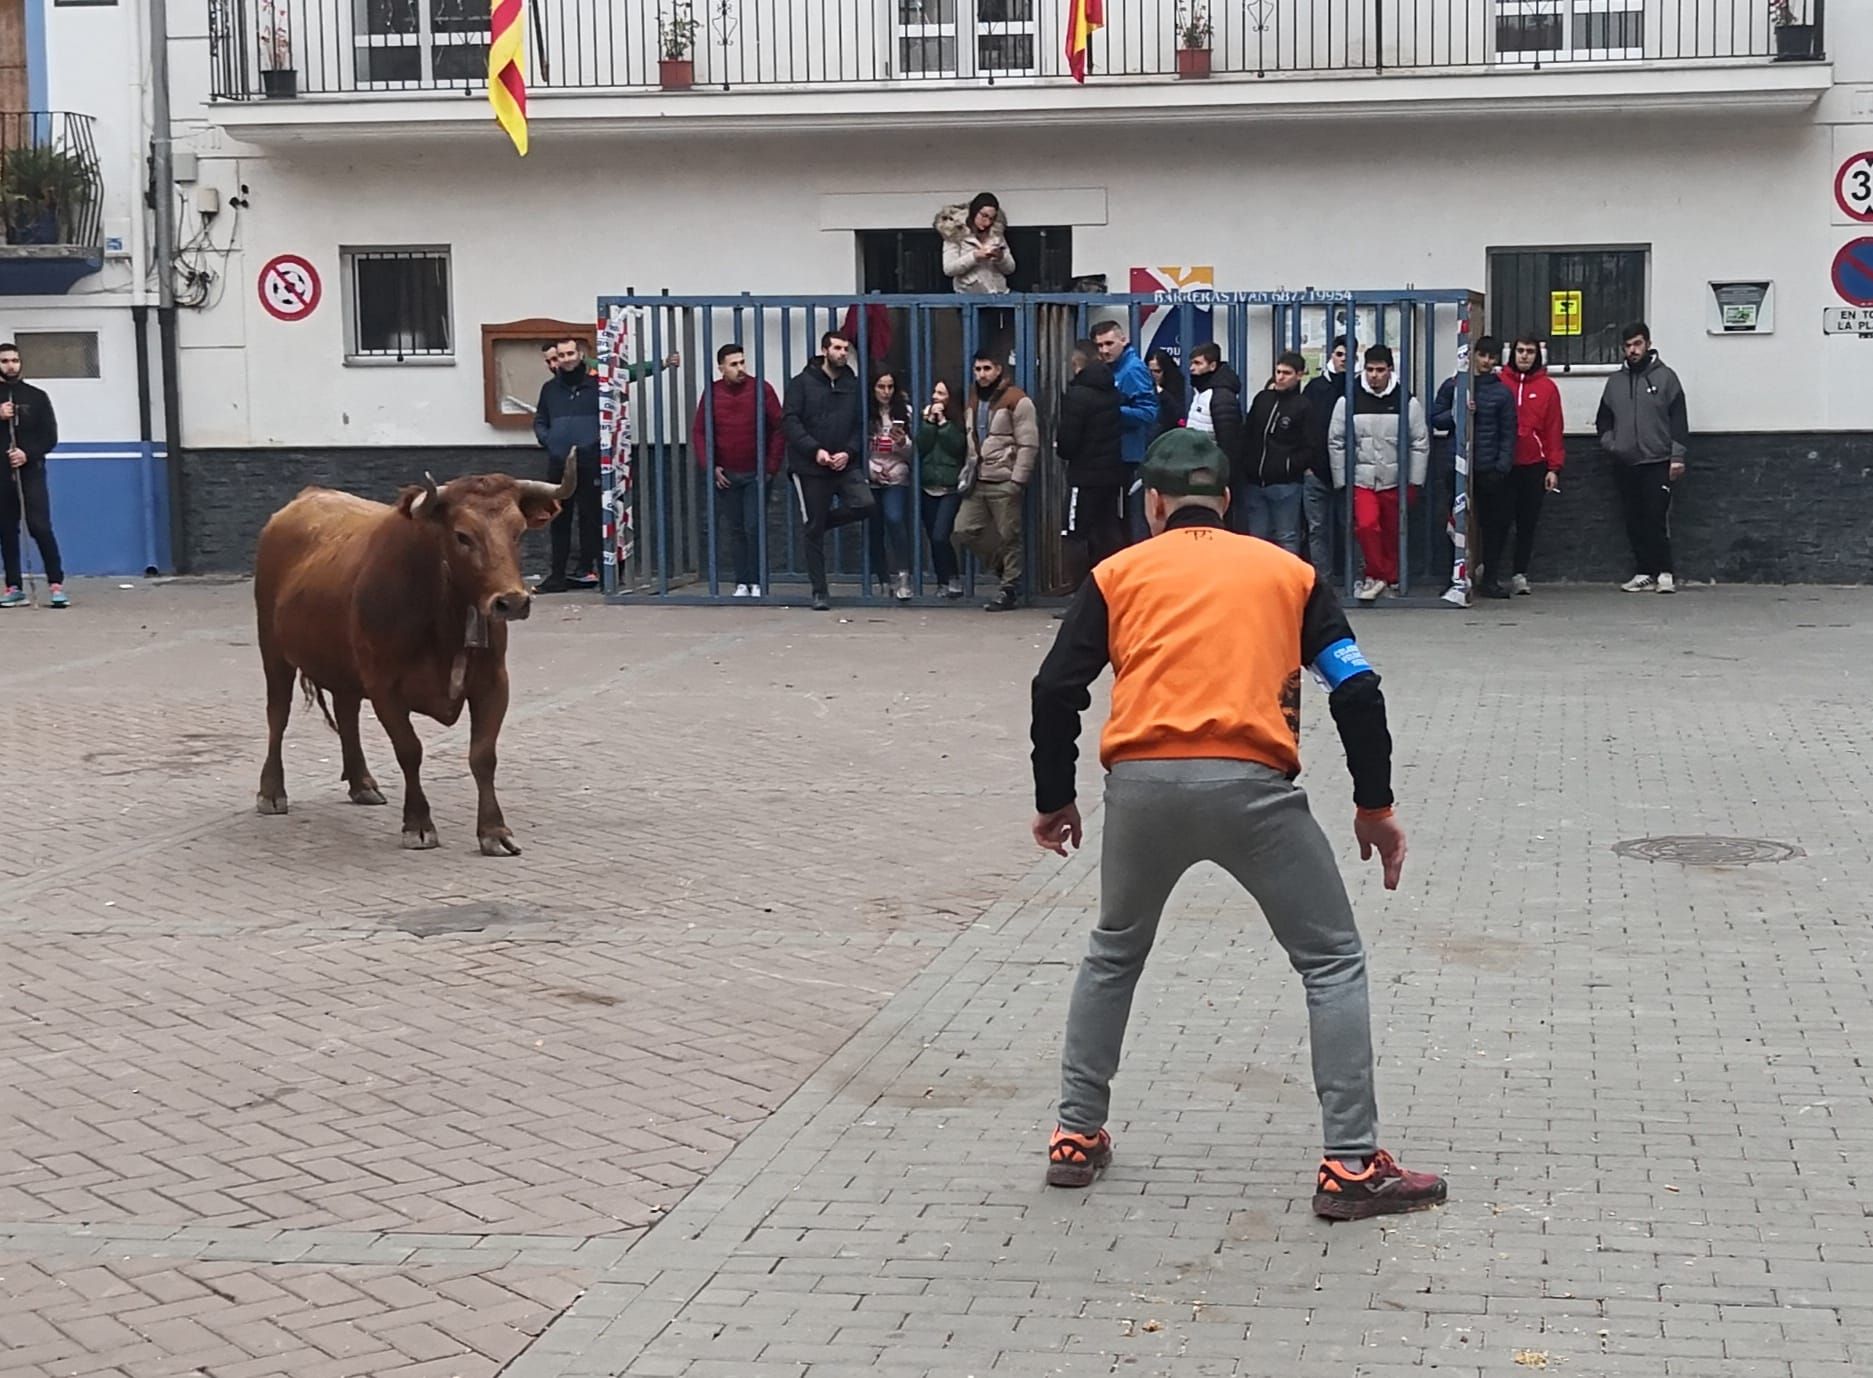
975	246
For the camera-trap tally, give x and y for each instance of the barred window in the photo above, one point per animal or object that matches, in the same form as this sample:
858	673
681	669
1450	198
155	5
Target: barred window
1577	299
397	304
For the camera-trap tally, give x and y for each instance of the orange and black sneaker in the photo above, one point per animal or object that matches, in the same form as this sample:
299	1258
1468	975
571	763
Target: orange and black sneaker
1073	1160
1382	1187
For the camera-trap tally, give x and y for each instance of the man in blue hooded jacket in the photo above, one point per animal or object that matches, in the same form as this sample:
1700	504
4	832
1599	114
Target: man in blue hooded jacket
1138	412
1491	455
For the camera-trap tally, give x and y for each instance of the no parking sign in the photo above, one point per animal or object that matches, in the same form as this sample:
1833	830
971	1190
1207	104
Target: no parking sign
1853	272
289	287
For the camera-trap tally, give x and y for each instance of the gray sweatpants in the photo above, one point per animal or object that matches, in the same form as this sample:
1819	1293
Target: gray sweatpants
1163	817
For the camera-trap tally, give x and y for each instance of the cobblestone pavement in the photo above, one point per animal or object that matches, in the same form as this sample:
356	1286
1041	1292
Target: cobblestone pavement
779	975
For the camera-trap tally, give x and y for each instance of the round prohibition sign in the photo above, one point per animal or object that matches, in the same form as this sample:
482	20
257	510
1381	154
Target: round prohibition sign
289	288
1853	187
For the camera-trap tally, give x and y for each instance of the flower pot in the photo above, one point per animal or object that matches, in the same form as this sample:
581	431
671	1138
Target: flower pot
33	225
1193	64
676	74
1794	43
279	83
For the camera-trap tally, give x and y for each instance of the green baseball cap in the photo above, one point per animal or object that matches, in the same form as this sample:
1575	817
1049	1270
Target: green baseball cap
1186	463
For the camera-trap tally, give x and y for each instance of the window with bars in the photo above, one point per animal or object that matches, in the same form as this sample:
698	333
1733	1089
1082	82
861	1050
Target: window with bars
397	304
1577	299
964	38
420	43
1540	31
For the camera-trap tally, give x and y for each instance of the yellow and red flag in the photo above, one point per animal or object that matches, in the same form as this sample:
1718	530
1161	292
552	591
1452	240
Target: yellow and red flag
507	69
1084	19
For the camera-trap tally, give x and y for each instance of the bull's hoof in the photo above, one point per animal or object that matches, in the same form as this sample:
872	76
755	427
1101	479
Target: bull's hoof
267	805
420	839
499	844
367	794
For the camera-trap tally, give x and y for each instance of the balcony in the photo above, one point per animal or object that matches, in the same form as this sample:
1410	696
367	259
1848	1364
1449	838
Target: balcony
51	202
971	57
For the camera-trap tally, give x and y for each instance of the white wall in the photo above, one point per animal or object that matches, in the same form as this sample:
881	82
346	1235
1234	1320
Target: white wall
1341	207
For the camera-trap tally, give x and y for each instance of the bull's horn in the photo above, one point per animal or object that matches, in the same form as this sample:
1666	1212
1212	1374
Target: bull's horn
429	485
566	487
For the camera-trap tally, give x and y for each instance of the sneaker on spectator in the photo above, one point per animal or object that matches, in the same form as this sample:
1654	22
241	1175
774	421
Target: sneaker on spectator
741	591
58	599
821	603
754	590
1519	584
1006	600
1456	597
1639	583
1346	1191
12	598
900	588
953	589
1369	590
1667	584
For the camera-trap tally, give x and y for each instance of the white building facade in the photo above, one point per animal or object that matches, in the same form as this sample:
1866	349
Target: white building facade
1640	153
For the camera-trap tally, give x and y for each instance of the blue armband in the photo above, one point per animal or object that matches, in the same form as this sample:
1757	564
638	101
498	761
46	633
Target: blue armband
1340	662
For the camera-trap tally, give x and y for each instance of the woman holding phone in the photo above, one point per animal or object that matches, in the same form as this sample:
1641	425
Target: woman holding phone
887	463
942	445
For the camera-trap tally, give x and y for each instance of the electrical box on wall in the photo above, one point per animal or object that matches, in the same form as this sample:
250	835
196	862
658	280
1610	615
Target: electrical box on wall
1740	308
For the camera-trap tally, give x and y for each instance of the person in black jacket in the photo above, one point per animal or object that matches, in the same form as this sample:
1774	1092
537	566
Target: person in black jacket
566	418
1089	440
1276	457
1216	400
1173	401
32	434
1325	510
823	418
1492	457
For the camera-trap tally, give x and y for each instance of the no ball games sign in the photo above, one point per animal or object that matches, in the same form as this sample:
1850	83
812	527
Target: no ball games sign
289	288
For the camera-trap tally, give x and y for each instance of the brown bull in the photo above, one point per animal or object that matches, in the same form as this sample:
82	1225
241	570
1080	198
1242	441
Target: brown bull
406	606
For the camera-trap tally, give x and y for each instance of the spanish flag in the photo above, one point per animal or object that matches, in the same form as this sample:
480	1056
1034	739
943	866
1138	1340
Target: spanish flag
1084	19
507	69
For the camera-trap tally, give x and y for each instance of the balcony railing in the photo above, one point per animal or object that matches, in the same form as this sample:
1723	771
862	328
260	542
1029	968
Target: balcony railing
333	47
51	193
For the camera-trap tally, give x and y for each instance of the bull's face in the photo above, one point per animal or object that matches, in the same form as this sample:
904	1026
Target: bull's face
479	522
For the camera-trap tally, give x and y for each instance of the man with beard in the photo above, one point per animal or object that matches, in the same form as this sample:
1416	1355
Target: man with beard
567	418
1276	459
32	434
823	419
1004	442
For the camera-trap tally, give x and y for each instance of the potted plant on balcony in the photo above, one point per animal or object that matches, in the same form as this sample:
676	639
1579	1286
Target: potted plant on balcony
44	190
279	80
1193	41
676	44
1793	42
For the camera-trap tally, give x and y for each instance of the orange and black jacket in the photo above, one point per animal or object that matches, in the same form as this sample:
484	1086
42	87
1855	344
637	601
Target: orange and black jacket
1206	632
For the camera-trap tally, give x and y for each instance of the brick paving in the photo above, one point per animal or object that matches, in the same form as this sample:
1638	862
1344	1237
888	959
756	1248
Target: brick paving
779	975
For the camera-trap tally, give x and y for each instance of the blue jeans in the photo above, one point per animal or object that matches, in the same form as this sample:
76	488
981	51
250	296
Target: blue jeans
1274	514
738	525
890	531
938	511
1322	507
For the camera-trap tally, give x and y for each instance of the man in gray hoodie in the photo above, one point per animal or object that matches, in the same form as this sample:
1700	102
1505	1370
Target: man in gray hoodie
1642	426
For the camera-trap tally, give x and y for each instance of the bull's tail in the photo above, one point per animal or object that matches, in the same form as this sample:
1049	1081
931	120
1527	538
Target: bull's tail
316	695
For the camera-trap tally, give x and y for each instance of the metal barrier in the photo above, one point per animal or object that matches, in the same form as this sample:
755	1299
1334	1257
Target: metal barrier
663	524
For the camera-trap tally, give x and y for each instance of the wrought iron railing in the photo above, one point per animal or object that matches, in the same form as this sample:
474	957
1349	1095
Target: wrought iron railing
328	47
51	191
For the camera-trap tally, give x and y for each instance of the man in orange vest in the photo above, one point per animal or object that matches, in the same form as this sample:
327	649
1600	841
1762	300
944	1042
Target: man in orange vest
1207	632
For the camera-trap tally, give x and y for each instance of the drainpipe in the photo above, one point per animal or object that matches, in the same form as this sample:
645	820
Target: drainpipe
163	166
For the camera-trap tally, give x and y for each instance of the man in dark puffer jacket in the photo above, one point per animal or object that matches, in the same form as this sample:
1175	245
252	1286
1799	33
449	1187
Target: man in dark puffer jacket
1492	455
1088	441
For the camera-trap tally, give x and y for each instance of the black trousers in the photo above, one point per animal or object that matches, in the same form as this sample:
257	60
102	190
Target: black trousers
583	511
815	494
1495	511
32	483
1529	483
1645	493
1096	515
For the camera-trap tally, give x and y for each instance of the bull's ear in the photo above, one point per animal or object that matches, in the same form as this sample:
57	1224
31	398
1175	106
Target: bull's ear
421	500
538	511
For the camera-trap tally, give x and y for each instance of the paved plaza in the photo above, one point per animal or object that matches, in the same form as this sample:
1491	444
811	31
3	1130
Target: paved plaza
745	1066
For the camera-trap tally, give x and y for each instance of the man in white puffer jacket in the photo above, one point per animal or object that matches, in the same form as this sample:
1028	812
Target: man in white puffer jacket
1377	406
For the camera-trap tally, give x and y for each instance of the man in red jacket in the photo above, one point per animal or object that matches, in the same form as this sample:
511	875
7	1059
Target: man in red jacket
726	437
1539	448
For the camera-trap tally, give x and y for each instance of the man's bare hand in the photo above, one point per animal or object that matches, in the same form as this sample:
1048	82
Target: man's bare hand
1677	470
1057	831
1384	834
1553	482
673	360
838	461
721	477
17	458
6	411
824	459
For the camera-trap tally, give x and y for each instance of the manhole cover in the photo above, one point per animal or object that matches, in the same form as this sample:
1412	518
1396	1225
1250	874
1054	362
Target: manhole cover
467	918
1708	851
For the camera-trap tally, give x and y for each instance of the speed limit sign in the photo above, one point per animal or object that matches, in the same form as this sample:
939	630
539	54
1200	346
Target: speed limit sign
1853	187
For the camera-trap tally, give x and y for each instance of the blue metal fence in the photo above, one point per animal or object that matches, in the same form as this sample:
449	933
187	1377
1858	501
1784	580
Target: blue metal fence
664	523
